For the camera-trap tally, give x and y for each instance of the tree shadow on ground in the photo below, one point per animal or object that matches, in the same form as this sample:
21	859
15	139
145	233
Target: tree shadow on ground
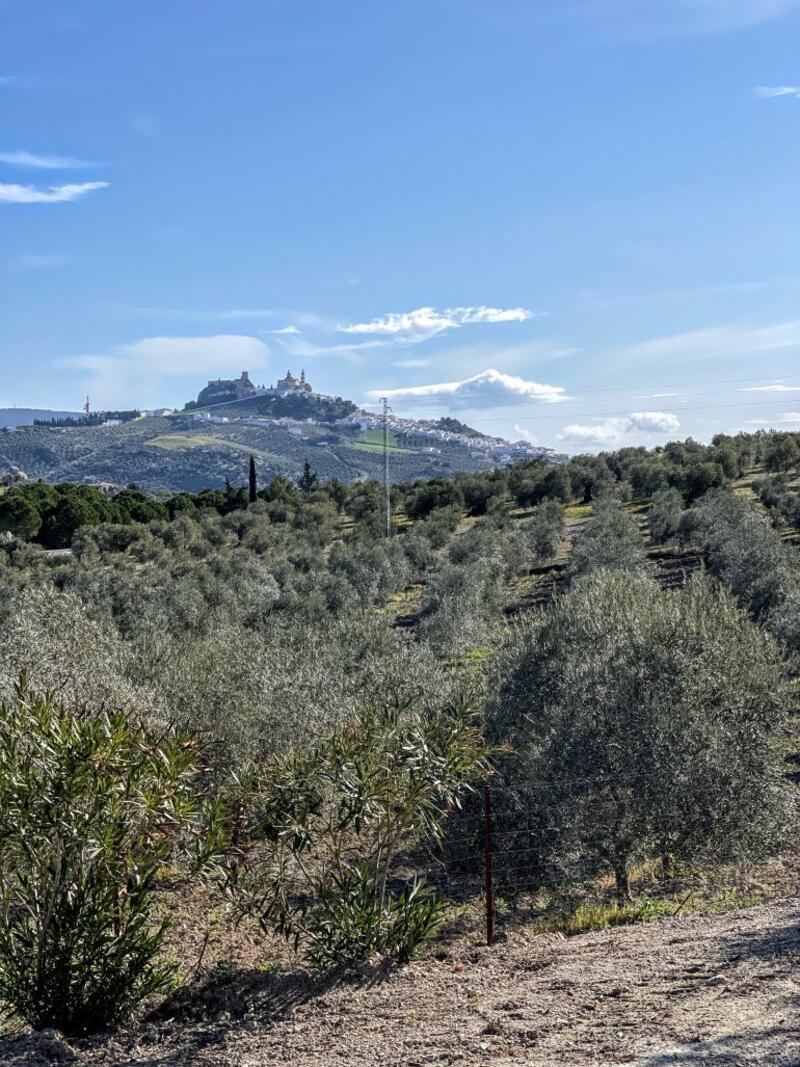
227	993
200	1015
776	1046
770	944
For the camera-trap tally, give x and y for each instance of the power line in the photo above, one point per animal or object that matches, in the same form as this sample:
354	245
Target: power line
768	379
765	379
617	414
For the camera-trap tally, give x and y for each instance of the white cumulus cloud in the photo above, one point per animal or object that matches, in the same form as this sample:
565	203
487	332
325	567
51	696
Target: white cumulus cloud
616	429
54	194
490	388
653	421
426	322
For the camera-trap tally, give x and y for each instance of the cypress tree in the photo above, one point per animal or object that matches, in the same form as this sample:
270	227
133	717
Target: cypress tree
253	480
308	479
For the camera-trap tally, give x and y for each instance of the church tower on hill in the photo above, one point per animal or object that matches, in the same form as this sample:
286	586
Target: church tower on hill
290	384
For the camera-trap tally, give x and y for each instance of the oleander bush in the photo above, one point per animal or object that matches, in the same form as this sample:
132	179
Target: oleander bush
92	806
329	828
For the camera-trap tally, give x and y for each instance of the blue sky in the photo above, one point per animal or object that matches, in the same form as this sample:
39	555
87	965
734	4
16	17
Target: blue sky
570	220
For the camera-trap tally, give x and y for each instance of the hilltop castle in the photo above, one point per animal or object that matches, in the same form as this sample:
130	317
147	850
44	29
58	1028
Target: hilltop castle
227	390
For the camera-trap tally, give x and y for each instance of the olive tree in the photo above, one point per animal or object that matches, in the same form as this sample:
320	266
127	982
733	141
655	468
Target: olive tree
610	539
741	548
545	530
645	723
664	515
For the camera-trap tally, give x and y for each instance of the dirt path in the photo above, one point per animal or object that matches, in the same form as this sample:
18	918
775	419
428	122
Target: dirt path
719	990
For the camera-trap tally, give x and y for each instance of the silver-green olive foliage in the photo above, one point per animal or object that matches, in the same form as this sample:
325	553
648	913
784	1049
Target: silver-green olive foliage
610	539
645	724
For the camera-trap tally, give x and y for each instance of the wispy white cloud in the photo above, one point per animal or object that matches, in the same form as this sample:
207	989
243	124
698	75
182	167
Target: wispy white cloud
790	418
180	356
526	435
421	362
777	388
720	341
297	346
425	322
305	319
286	330
464	316
598	300
42	162
635	20
616	429
55	194
490	388
39	260
562	353
136	372
17	81
655	396
145	125
768	92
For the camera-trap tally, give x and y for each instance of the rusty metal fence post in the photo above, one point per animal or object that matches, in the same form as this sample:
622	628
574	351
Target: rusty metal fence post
487	863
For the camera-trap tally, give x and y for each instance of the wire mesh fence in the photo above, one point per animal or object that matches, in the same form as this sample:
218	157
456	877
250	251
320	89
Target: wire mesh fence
494	846
504	845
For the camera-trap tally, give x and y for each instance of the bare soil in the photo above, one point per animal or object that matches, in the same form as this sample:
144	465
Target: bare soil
717	990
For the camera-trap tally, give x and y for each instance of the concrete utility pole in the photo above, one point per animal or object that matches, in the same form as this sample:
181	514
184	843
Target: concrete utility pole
387	491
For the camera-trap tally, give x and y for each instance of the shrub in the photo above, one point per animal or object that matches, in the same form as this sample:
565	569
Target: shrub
329	826
91	807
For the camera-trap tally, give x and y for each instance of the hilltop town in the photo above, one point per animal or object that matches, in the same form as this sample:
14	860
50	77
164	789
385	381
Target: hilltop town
215	405
208	441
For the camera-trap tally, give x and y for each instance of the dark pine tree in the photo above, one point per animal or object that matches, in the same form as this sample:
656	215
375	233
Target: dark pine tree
253	481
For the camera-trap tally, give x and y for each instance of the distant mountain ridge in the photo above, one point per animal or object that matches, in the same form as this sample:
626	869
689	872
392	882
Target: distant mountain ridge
25	416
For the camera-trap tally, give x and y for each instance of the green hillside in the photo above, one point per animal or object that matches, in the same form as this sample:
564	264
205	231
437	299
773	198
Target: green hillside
180	452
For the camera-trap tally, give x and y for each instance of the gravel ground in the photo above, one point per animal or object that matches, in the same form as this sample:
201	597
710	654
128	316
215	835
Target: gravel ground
718	990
